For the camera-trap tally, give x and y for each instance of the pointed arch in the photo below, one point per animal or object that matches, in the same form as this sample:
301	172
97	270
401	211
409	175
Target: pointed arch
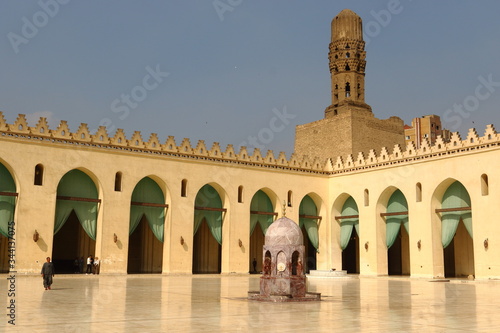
208	207
261	211
393	224
77	192
455	206
397	215
7	199
309	219
148	201
348	221
453	228
208	224
75	221
262	215
146	226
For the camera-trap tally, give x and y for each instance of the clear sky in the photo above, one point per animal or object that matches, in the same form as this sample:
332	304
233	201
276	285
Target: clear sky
227	70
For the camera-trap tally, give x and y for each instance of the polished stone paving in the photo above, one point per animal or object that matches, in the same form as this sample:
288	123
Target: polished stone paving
213	303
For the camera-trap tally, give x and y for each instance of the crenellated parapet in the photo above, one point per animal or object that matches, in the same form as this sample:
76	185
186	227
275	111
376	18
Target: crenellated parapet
41	133
426	151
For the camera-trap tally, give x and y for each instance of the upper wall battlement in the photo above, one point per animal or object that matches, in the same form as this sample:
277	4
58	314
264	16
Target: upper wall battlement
135	144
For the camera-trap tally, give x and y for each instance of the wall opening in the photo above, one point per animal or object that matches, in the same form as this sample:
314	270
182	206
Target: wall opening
484	184
457	231
418	194
39	174
397	235
75	223
207	240
240	193
146	231
184	188
349	239
118	182
261	217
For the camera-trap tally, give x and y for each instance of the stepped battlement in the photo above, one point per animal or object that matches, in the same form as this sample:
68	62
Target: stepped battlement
20	130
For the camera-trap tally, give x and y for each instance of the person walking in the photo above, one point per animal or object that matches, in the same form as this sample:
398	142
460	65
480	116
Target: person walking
47	273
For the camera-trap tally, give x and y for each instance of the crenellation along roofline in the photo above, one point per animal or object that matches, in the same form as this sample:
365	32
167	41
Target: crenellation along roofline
41	133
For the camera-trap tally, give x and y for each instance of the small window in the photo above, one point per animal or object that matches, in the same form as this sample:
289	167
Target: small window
39	175
418	192
407	137
484	184
367	197
184	188
240	194
289	199
118	182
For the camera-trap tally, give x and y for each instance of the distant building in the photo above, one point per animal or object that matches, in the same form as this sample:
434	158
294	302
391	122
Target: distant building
427	127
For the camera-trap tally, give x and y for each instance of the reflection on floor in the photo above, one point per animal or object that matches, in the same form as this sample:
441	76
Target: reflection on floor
217	303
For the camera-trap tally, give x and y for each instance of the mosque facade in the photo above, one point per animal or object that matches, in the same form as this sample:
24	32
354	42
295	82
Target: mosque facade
365	201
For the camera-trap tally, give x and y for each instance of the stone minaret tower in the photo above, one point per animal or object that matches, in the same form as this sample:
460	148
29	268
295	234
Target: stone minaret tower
347	64
349	126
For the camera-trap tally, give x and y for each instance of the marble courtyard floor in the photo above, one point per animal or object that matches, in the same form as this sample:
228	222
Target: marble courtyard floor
217	303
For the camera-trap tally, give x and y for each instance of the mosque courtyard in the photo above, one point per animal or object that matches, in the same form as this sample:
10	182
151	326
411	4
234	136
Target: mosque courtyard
217	303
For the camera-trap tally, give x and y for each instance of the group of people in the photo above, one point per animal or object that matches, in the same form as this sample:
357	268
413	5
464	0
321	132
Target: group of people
93	265
48	271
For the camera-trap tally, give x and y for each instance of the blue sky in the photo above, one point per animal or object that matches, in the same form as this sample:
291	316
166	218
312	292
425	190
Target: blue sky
227	70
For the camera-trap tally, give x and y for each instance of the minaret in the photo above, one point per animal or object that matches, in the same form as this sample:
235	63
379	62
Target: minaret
349	125
347	64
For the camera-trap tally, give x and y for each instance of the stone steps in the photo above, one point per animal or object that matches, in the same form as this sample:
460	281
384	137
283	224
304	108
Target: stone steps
330	273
